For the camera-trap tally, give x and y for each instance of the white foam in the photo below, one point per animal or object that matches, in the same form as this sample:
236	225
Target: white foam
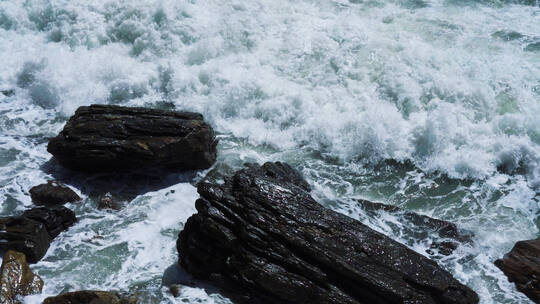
328	85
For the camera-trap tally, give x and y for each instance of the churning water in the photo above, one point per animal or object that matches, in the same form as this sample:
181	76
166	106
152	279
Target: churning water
431	105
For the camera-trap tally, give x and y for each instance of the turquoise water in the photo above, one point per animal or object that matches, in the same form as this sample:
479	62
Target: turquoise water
430	105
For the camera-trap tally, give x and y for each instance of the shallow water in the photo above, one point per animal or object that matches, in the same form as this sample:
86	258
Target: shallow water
448	88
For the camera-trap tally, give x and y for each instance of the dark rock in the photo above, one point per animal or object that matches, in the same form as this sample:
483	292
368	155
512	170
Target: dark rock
444	247
8	93
24	235
106	138
108	202
55	219
175	290
17	279
421	226
262	237
53	194
522	266
32	232
90	297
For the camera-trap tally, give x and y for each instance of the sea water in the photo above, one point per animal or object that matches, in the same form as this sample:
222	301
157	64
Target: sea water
430	105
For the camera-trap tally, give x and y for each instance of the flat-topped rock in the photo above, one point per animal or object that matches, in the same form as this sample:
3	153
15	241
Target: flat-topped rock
261	238
107	137
522	266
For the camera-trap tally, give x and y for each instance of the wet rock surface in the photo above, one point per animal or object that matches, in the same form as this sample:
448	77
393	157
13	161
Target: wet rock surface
90	297
108	202
52	194
522	266
421	226
55	219
17	279
32	232
262	238
106	138
24	235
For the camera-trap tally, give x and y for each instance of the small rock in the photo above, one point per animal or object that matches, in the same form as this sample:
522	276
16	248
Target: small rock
522	266
55	219
420	226
175	290
8	93
444	247
90	297
533	47
24	235
107	202
17	279
52	194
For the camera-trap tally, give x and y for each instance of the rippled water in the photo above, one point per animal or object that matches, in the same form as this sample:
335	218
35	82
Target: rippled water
431	105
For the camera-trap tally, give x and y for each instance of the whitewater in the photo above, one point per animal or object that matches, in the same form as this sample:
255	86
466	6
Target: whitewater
430	105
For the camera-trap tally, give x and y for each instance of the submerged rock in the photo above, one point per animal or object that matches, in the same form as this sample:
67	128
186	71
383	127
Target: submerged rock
522	266
16	278
90	297
421	225
8	93
106	137
53	194
55	219
262	238
24	235
32	232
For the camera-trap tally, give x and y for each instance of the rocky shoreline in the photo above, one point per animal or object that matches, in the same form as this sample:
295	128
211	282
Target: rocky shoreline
258	236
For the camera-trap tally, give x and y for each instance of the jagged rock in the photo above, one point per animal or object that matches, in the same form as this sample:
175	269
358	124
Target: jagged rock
106	137
262	238
522	266
55	219
17	279
90	297
32	232
421	225
52	194
24	235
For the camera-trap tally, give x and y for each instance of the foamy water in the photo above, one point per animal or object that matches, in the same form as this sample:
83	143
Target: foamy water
333	87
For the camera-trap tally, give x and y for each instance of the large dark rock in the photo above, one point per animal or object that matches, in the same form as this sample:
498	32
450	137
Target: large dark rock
105	138
423	227
522	266
55	219
90	297
52	194
17	279
262	238
32	232
24	235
